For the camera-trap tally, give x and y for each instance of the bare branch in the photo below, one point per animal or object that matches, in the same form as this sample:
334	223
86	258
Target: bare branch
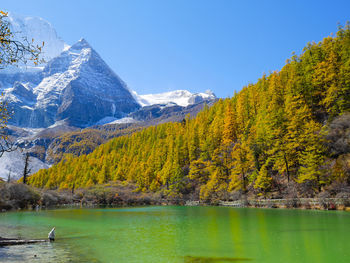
12	52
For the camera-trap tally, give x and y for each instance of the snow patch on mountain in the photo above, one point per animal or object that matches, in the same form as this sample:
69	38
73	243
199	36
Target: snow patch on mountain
57	124
179	97
113	120
13	163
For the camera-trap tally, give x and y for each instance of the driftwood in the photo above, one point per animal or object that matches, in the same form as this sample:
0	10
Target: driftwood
16	241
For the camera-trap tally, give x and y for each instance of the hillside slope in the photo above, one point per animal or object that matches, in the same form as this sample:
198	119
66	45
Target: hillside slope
286	135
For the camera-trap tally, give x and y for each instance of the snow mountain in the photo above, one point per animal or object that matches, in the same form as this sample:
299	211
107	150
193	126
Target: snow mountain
77	86
74	86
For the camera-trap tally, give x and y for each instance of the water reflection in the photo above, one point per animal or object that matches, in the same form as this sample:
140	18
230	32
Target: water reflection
265	235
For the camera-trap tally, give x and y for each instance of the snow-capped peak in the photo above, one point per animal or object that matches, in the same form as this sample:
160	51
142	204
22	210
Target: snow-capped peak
40	31
81	44
179	97
77	86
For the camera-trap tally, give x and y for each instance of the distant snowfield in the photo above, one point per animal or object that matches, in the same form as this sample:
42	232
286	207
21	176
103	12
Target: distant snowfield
13	163
179	97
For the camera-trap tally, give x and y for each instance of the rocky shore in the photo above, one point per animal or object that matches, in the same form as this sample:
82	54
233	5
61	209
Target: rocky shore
302	203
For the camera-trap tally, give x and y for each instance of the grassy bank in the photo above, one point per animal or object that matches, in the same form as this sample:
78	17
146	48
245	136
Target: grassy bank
16	196
303	203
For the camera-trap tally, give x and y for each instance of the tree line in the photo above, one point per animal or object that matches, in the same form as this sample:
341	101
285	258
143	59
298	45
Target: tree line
286	133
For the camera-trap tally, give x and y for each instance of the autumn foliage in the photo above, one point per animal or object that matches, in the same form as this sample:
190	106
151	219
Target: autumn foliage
269	136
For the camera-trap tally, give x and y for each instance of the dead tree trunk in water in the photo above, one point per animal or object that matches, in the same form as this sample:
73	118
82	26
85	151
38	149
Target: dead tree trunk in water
15	241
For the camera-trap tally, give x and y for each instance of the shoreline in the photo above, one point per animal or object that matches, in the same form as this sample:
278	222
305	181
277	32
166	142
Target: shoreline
18	197
338	204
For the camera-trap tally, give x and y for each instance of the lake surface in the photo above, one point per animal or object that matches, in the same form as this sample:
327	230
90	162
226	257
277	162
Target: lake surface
179	234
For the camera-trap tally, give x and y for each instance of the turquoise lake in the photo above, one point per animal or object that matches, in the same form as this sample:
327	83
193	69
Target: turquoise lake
179	234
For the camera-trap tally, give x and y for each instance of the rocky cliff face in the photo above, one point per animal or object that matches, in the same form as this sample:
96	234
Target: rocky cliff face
77	86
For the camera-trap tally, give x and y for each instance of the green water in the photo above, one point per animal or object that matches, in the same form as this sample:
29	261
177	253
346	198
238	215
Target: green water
179	234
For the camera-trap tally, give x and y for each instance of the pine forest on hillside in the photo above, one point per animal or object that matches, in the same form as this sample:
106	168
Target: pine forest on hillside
286	135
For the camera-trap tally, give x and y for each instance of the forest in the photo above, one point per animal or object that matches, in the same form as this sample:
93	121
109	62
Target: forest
287	135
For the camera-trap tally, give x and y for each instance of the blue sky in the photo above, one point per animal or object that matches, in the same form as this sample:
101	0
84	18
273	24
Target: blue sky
162	45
